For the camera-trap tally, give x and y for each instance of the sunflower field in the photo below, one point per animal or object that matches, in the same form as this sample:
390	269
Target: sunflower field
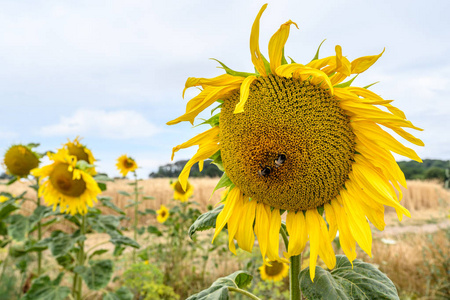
311	204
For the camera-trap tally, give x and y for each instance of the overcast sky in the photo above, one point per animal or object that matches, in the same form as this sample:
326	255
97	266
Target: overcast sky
113	71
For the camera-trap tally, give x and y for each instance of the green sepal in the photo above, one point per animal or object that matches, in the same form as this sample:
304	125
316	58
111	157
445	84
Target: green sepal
223	182
362	282
231	72
292	60
347	83
283	59
219	289
216	108
368	86
213	121
205	221
217	160
32	145
84	165
97	275
102	177
317	52
266	65
43	288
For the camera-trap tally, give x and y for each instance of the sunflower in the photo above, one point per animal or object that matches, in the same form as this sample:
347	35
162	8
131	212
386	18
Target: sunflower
297	139
81	152
179	193
66	186
274	270
126	164
3	198
20	160
162	214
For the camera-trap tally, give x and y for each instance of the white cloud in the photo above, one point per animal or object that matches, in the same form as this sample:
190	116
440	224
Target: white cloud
120	124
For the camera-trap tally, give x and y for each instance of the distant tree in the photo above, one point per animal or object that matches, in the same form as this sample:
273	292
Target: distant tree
174	170
5	176
435	173
429	169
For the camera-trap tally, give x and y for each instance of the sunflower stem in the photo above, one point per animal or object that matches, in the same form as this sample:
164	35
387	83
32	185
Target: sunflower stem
39	230
136	215
243	292
294	283
77	287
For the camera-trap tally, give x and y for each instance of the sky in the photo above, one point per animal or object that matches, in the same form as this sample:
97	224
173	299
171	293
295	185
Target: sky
113	72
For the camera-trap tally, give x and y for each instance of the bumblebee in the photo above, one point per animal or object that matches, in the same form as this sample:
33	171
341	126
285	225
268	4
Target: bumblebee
265	171
280	160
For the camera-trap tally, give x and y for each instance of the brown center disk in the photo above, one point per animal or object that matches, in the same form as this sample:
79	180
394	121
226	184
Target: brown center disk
61	180
275	268
79	152
179	188
291	148
19	160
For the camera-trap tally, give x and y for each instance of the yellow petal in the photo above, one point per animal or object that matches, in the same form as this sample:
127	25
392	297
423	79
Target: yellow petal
313	229
296	227
204	152
262	226
361	64
359	227
234	221
222	80
254	44
274	235
331	220
227	211
245	235
276	45
206	137
245	90
346	238
342	63
323	62
318	77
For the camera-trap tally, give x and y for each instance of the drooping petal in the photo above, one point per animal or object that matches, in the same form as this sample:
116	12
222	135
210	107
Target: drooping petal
234	221
342	63
346	238
245	235
331	220
254	44
296	227
361	64
222	80
227	211
318	77
206	137
274	235
262	227
276	45
243	95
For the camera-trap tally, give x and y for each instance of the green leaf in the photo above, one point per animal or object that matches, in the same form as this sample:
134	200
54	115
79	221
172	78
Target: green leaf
205	221
154	230
40	213
102	177
102	186
231	72
104	223
123	193
363	282
219	289
18	227
98	252
120	240
6	208
97	275
60	242
45	289
14	179
148	197
106	201
122	293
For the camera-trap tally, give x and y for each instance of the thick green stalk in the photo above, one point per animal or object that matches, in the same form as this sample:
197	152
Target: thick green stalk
136	214
294	283
39	231
77	288
243	292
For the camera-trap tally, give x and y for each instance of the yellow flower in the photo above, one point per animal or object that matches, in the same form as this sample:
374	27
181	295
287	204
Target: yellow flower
63	185
126	164
3	198
19	160
274	270
162	214
181	194
294	138
81	152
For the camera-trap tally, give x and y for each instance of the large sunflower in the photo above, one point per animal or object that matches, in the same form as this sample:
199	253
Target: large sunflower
19	160
66	186
295	138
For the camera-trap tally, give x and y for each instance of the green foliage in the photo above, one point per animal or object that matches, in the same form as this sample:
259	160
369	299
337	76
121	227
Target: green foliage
363	281
173	170
97	275
43	288
146	282
273	290
219	290
415	170
122	293
205	221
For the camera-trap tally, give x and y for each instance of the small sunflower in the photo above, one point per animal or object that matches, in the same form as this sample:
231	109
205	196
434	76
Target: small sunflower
179	193
3	198
81	152
20	160
126	164
162	214
274	271
64	185
297	139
